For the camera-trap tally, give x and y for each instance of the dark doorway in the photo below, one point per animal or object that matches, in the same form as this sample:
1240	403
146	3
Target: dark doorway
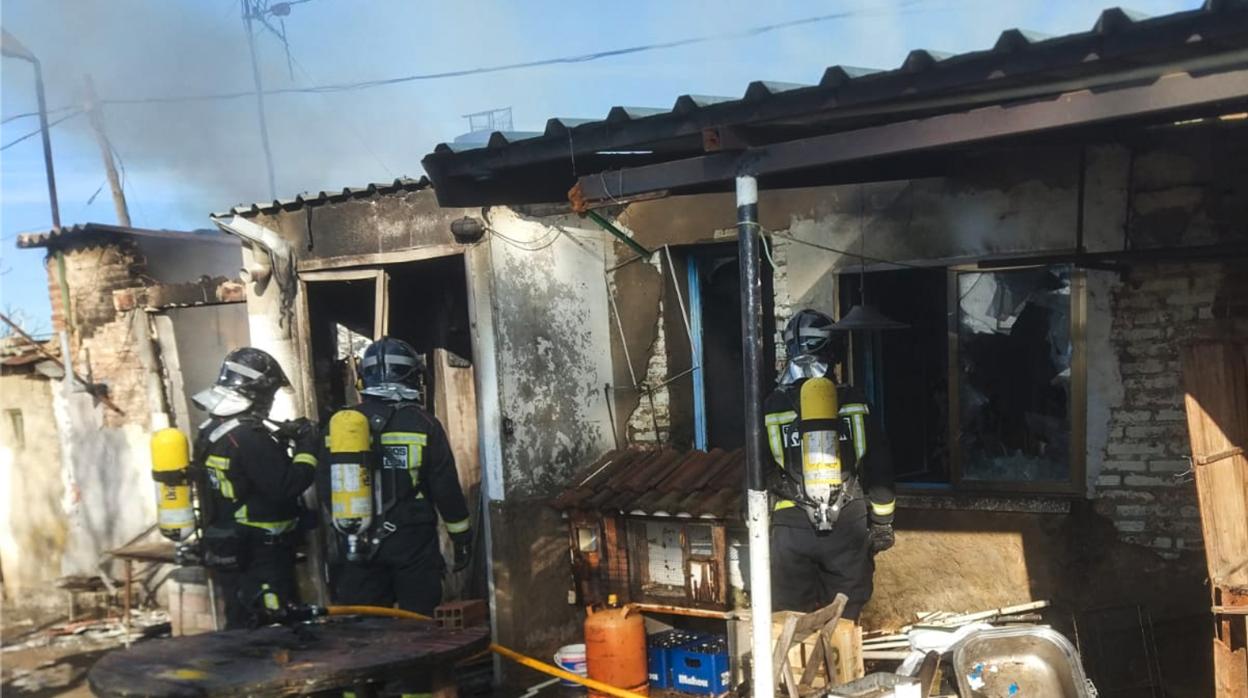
904	372
342	321
715	300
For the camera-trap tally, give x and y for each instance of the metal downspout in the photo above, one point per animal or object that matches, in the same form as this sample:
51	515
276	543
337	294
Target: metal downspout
758	515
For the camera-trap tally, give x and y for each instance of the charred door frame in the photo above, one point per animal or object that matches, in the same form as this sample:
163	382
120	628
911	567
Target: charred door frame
381	318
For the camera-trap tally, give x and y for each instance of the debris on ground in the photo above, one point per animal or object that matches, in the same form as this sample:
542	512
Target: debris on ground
55	659
1001	651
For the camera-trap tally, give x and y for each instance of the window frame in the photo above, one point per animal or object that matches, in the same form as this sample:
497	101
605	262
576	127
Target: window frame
1076	483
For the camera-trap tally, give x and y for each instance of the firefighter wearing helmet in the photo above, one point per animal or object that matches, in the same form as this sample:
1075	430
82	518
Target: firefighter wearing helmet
249	484
831	475
391	475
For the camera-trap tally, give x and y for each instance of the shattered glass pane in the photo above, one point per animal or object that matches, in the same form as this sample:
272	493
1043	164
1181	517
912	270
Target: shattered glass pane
1014	355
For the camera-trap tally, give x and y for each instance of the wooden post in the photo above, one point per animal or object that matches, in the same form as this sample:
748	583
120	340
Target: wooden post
91	105
1215	375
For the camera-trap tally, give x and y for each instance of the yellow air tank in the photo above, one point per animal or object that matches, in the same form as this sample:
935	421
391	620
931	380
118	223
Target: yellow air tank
351	487
171	455
821	459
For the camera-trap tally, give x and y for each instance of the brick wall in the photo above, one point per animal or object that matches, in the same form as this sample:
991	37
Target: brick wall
1144	485
104	339
93	271
782	299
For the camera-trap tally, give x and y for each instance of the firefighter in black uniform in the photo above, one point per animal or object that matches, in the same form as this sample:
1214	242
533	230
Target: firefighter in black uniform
249	485
414	481
809	567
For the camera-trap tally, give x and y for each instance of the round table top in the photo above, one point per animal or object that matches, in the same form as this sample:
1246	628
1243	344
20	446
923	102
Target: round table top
280	660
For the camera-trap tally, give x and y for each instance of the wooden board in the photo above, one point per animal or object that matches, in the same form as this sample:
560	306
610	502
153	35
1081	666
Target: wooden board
278	661
1215	376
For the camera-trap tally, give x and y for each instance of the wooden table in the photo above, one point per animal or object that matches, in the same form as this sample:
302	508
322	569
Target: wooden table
159	552
280	661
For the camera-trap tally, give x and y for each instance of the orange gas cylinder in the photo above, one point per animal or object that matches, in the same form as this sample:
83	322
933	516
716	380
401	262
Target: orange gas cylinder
615	647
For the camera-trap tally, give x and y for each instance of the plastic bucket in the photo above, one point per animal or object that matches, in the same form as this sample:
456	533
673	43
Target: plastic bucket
572	658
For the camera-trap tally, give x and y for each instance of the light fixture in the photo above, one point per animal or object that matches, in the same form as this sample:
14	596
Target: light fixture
863	316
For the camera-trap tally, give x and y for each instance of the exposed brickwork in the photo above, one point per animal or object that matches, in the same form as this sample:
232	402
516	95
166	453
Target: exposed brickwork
781	297
93	271
104	338
1142	483
651	422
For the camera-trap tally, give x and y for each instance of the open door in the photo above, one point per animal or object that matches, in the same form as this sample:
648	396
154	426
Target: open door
346	310
424	303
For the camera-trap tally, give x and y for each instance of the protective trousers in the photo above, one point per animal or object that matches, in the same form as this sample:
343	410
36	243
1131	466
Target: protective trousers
262	563
406	569
809	568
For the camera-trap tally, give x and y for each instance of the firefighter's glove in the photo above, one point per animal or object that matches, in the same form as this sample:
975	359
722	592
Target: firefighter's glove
463	550
305	435
882	537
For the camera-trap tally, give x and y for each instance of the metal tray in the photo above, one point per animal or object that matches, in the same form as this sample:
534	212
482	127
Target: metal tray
1018	662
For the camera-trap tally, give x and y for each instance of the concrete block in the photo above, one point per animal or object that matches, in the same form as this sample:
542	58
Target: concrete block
1168	466
1171	416
1129	448
1128	466
1147	366
1162	542
1130	526
1132	416
1145	481
1141	334
1127	511
1108	480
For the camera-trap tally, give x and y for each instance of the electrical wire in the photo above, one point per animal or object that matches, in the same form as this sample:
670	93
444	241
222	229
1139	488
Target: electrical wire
829	248
34	133
28	114
505	67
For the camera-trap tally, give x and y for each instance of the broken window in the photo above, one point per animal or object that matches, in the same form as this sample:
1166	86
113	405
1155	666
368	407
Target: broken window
1013	374
979	388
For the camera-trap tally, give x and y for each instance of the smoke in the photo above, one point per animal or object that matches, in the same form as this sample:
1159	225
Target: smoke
185	160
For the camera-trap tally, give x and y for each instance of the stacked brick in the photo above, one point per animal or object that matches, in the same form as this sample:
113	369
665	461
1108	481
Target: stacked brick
104	339
1144	484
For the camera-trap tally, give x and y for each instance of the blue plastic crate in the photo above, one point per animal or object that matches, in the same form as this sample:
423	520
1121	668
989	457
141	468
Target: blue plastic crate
701	667
659	648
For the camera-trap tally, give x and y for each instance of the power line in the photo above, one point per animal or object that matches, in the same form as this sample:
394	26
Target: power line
29	114
466	72
34	133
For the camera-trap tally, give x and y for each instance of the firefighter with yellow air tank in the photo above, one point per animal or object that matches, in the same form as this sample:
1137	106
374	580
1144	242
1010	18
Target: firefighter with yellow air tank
248	485
831	475
390	477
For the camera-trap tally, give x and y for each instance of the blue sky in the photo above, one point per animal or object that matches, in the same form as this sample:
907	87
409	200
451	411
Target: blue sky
183	161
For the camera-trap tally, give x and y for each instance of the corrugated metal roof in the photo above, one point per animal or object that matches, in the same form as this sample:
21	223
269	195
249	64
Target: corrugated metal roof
661	482
1122	45
48	238
402	184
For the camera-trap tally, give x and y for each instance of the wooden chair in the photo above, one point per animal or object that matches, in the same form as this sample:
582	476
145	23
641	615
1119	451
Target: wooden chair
796	628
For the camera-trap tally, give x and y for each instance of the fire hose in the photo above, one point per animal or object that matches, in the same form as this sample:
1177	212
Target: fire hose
496	648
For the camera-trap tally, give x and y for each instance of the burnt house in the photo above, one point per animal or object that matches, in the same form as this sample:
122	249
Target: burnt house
1051	218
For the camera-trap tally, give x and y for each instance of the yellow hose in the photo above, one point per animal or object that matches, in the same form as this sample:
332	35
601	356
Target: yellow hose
498	649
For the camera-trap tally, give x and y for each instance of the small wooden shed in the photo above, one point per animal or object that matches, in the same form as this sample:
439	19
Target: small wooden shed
652	526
